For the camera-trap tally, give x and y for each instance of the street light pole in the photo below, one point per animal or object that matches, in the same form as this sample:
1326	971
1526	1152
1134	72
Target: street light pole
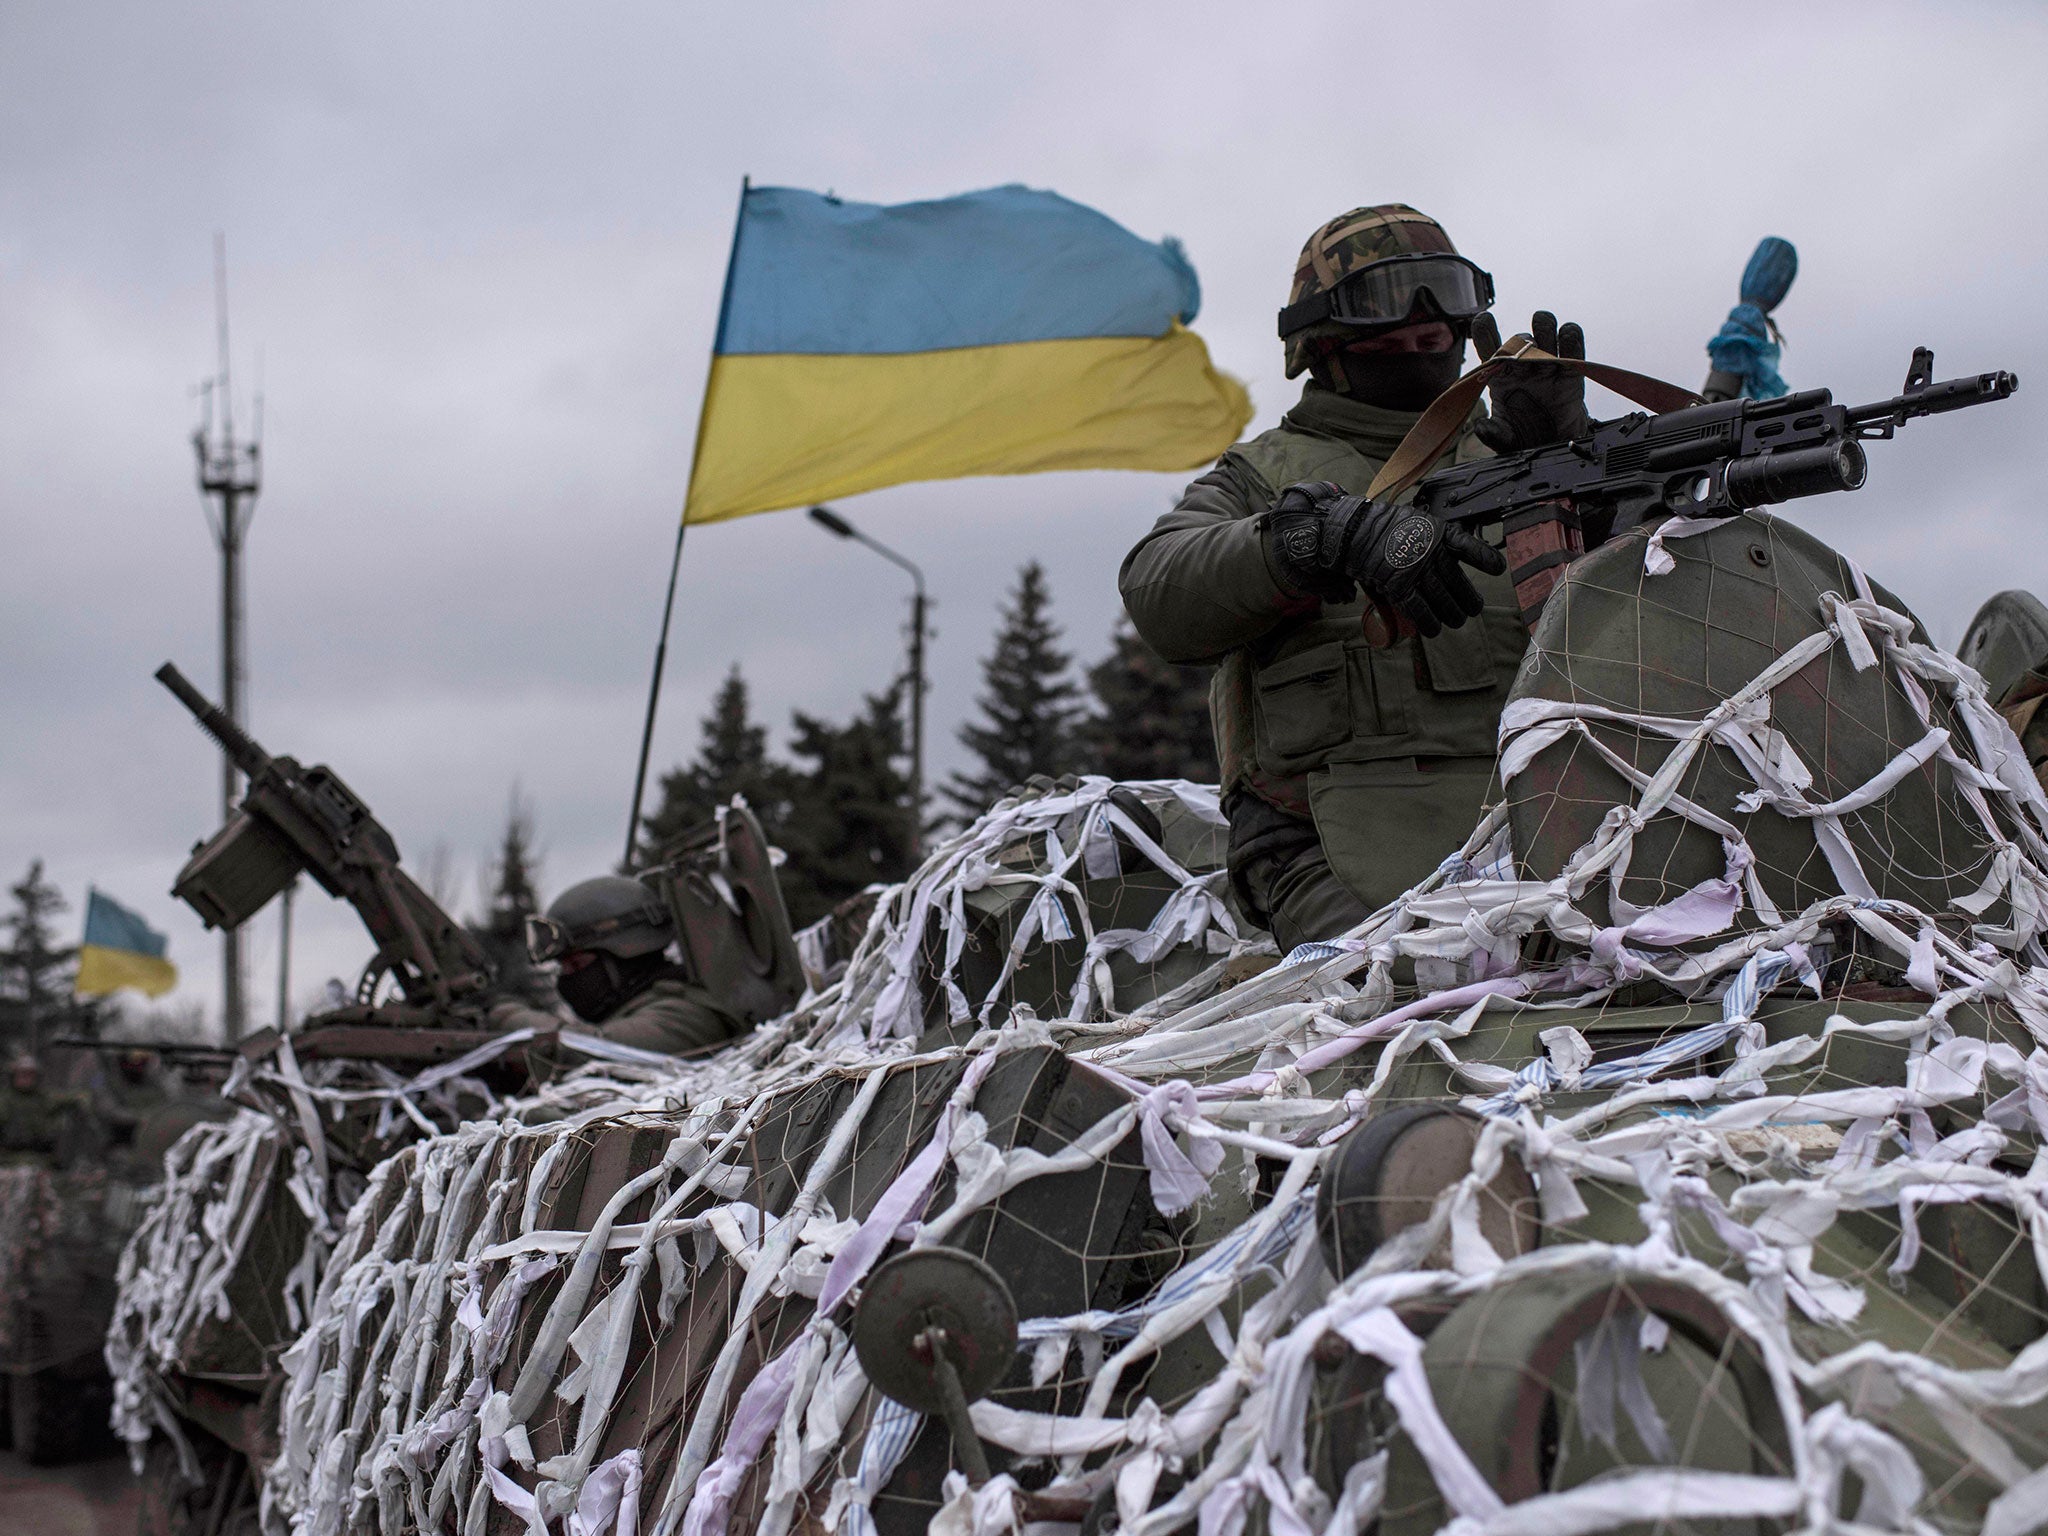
833	523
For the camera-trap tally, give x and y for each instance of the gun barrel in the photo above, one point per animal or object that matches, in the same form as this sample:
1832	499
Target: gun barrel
234	741
1933	399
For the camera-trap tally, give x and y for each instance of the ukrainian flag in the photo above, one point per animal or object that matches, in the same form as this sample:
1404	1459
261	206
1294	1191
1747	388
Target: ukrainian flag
997	333
120	950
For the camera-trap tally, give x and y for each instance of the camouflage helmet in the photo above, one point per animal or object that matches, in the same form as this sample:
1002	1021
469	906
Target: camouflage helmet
610	913
1344	245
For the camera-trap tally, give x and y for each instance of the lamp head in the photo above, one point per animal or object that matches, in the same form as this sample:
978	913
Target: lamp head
832	522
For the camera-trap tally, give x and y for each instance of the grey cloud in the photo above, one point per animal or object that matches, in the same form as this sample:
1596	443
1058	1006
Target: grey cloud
479	248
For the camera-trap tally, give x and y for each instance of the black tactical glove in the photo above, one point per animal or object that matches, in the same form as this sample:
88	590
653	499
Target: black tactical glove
1533	404
1329	543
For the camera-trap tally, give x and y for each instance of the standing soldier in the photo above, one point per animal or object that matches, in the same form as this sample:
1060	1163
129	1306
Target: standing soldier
1355	709
123	1101
34	1122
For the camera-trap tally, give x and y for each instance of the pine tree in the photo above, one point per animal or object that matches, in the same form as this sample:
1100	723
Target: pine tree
511	897
733	760
1152	717
36	971
849	819
1028	702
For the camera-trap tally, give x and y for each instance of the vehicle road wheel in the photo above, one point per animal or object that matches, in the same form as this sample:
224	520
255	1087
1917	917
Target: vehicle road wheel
1505	1370
39	1408
1387	1174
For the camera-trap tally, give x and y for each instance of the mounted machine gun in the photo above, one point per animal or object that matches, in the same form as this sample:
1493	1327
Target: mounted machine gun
297	820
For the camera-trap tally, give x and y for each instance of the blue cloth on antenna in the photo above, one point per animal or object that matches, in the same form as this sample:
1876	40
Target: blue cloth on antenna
1745	346
1768	277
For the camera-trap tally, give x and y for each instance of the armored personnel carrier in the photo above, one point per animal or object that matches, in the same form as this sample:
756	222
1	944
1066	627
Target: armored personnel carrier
1662	1162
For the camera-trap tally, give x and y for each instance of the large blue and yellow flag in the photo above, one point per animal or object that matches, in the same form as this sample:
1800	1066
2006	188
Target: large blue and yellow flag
997	333
120	950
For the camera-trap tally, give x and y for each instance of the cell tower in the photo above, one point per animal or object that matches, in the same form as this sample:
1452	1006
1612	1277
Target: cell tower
229	473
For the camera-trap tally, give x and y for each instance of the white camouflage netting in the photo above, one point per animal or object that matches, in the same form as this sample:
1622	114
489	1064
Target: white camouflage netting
397	1415
255	1178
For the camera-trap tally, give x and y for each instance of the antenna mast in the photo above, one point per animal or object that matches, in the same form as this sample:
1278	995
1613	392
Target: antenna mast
229	473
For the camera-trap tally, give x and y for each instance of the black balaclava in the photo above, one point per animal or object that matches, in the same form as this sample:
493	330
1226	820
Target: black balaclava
601	988
1395	381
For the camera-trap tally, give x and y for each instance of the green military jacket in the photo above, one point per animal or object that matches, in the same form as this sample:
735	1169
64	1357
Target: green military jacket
121	1105
33	1126
675	1016
1386	745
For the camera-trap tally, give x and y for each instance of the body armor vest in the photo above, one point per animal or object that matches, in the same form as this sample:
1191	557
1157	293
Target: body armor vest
1317	691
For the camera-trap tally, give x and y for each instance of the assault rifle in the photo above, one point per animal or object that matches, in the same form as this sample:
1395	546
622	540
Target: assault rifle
295	820
1705	461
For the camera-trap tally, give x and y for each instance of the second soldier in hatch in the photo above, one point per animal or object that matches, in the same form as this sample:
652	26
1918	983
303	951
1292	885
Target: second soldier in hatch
610	938
1363	650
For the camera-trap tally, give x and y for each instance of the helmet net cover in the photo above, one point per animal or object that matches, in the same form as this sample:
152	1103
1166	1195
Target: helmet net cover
1617	646
1346	244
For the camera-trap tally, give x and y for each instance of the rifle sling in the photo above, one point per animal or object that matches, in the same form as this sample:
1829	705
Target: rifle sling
1438	426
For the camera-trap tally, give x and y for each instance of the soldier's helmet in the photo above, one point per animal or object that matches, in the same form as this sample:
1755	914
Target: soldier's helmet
609	914
2007	640
1347	244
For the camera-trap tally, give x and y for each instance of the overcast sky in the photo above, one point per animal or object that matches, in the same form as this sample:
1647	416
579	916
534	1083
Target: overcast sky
478	249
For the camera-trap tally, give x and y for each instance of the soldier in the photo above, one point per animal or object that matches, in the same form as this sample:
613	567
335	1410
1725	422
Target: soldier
1355	732
33	1121
128	1095
123	1102
610	938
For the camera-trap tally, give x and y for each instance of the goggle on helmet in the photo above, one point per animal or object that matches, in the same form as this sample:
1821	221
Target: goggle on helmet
1388	292
549	939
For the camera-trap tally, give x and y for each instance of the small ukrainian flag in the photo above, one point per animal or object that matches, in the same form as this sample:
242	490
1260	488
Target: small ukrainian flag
120	950
996	333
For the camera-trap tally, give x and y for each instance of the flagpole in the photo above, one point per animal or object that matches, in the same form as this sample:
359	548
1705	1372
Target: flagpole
653	698
682	528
